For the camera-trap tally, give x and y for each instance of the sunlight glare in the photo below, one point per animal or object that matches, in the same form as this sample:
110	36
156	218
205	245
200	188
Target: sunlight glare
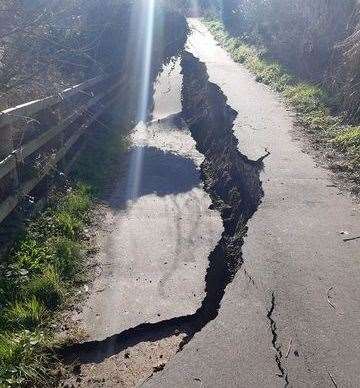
145	61
195	9
148	25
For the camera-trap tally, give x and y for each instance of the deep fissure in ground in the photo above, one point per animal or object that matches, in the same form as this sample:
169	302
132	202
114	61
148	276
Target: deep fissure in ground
232	181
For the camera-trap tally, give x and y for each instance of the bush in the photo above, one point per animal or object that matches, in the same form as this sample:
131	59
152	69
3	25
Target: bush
47	45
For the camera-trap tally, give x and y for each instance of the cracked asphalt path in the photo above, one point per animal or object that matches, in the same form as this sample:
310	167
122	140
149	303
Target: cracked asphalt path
291	316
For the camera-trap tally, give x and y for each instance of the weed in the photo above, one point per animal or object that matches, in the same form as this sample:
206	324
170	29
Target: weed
41	266
68	224
306	98
31	255
77	202
348	140
320	121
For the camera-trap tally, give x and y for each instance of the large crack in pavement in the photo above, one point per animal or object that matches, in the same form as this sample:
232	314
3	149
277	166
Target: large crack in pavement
233	183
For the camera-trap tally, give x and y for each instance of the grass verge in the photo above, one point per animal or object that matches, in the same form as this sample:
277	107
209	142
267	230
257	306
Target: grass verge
45	266
37	276
311	102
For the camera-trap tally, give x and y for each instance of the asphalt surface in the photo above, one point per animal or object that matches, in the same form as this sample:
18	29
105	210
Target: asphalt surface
161	231
292	312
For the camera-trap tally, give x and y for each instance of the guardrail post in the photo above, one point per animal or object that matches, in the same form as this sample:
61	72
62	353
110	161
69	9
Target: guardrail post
6	148
62	162
6	142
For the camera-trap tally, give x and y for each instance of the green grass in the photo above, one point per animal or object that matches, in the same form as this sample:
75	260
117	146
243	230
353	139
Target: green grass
24	358
27	314
40	272
348	140
311	102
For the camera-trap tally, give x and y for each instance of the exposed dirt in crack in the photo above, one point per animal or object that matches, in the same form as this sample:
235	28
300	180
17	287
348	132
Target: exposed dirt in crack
235	188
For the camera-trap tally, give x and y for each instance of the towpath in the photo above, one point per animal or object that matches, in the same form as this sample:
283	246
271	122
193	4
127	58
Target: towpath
291	315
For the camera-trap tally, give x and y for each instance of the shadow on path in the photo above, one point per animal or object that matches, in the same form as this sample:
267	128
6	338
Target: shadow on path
153	171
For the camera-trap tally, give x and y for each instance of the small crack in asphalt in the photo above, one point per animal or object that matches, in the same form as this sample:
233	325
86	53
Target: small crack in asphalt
279	355
251	279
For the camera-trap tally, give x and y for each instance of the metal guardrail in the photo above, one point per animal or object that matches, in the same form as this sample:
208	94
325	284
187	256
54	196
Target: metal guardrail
11	159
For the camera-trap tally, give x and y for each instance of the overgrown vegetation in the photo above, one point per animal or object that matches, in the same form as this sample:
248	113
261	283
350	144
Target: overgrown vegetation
47	45
312	103
344	74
